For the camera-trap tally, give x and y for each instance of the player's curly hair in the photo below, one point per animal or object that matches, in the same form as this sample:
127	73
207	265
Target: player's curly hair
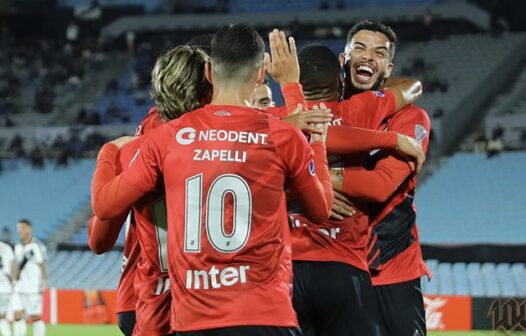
179	84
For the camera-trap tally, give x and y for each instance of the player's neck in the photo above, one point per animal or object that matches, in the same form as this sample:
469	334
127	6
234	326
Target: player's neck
27	240
237	95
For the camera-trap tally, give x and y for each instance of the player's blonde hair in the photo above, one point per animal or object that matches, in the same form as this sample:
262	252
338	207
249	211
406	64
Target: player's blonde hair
179	84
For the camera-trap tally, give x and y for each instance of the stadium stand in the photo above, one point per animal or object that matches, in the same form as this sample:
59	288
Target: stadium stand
77	269
48	196
472	199
476	279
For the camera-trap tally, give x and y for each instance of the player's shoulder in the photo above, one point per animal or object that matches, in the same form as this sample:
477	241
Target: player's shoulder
415	113
5	246
371	95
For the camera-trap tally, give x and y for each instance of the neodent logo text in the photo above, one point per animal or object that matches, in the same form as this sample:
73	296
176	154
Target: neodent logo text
185	136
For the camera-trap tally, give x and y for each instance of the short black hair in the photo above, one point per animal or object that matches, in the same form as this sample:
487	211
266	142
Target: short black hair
25	221
202	42
378	27
319	68
236	48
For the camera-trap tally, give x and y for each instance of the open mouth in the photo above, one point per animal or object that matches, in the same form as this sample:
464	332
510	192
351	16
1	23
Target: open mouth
364	73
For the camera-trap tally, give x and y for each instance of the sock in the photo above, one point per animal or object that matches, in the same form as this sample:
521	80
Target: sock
39	328
20	328
5	328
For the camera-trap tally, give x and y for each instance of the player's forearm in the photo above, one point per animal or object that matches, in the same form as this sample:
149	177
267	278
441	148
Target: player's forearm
406	90
293	96
317	204
373	185
111	196
102	234
347	139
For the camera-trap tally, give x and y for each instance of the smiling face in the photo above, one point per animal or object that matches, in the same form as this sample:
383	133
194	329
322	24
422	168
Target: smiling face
367	60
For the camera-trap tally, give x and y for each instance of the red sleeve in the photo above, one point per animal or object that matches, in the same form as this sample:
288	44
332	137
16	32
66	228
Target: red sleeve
102	234
308	173
110	194
293	95
347	139
368	109
379	184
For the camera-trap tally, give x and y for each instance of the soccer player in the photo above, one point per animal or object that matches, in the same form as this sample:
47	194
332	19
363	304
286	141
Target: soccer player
394	254
31	279
7	269
181	66
333	293
263	97
224	168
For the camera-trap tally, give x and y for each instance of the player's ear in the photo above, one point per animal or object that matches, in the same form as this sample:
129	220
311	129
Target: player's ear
390	68
208	71
261	76
341	58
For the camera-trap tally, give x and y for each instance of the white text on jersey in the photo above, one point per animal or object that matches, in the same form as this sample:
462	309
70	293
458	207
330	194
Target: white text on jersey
229	276
220	154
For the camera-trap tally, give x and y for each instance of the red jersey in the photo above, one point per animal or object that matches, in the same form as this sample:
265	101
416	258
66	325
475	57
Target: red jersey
224	170
145	276
151	282
394	252
345	240
102	235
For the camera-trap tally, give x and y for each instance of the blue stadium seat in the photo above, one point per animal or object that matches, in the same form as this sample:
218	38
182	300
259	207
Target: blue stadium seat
480	200
47	197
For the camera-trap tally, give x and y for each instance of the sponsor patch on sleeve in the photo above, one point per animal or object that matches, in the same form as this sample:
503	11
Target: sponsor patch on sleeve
420	133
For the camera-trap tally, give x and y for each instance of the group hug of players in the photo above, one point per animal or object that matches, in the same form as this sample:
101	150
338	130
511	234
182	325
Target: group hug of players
293	220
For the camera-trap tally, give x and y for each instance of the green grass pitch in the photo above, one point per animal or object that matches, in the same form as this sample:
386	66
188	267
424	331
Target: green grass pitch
111	330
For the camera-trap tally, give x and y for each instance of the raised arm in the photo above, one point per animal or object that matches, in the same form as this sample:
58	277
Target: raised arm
406	90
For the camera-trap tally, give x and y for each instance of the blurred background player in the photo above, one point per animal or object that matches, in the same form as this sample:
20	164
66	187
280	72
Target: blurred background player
394	253
7	270
31	279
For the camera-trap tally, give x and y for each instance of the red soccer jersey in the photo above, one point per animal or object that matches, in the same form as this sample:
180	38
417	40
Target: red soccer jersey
345	240
145	276
102	235
224	170
394	249
151	282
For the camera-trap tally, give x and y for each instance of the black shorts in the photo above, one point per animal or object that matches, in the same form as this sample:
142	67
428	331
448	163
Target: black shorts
126	322
401	308
244	331
334	298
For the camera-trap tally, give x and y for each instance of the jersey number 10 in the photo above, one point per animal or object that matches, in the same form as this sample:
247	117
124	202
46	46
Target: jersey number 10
223	185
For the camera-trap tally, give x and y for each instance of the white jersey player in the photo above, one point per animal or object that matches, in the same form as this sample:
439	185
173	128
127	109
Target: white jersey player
30	256
7	259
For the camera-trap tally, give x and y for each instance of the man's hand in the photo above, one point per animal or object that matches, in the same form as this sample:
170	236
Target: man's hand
123	140
282	63
306	120
341	207
412	150
320	129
